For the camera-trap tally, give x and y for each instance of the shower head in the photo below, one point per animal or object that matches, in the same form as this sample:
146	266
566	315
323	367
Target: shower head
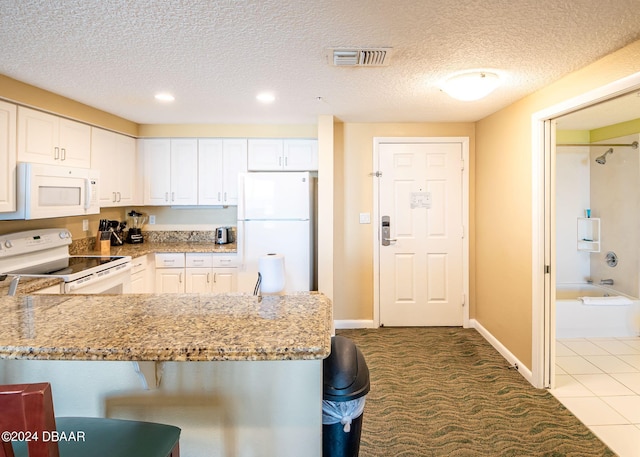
603	158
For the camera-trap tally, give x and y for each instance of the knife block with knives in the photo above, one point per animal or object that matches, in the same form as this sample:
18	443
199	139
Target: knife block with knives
103	243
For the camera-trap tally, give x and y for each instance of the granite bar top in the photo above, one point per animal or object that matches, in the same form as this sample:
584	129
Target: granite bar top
169	327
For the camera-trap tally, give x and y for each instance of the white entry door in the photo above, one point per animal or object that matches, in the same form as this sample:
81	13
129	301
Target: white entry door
421	234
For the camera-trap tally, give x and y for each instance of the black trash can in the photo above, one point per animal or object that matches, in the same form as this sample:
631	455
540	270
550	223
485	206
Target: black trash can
345	384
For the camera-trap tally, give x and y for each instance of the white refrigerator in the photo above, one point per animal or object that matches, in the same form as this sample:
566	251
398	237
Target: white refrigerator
275	212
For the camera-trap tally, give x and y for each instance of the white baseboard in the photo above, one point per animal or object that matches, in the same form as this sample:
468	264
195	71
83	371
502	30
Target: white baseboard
512	359
346	323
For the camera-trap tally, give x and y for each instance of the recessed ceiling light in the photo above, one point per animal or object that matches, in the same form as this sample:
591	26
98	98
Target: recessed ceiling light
266	97
164	97
472	85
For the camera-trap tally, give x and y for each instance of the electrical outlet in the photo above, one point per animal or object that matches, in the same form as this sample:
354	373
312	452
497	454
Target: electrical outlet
152	219
85	224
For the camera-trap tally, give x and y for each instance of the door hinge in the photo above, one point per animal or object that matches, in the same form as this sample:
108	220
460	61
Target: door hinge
376	174
462	165
547	269
464	299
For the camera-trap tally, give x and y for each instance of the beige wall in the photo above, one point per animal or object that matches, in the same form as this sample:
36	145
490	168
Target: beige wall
353	251
503	201
27	95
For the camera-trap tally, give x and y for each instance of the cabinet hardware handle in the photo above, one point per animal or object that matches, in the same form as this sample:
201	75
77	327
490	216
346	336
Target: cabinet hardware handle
114	197
215	278
180	280
225	196
166	196
173	196
208	278
280	161
64	154
119	197
286	161
56	153
219	197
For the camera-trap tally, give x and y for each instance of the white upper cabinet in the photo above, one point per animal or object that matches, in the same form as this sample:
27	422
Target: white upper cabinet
170	171
45	138
219	163
184	171
283	155
115	156
7	157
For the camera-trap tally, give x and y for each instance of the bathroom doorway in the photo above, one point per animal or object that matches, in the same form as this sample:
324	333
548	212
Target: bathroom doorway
544	206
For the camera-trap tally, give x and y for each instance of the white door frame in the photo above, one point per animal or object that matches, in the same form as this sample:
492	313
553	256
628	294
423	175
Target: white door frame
543	156
377	141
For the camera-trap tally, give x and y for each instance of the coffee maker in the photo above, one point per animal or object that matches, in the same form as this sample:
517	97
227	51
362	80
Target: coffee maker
135	221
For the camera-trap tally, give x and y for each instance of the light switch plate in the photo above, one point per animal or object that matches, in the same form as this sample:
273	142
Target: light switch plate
85	224
152	219
365	218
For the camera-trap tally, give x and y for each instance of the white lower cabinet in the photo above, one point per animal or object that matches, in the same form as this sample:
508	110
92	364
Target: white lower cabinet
142	282
170	275
195	273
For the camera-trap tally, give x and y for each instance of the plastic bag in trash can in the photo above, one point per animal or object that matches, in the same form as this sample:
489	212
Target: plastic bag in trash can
342	411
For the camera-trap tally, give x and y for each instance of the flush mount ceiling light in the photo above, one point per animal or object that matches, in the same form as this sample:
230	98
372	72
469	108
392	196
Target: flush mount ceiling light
164	97
266	97
472	85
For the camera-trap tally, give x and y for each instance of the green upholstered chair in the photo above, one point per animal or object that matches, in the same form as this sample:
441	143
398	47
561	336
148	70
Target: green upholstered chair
27	410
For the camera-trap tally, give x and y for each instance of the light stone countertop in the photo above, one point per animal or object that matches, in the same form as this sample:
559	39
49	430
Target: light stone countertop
169	327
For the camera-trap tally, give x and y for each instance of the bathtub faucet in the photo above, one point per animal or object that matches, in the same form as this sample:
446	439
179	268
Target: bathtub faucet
606	282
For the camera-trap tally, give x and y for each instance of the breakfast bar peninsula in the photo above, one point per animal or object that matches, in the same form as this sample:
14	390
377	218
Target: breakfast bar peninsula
240	374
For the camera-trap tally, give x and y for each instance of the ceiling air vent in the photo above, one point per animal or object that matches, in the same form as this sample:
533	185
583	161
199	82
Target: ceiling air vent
359	57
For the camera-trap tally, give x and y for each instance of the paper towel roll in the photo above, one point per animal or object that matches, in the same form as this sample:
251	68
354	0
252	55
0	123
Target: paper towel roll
271	268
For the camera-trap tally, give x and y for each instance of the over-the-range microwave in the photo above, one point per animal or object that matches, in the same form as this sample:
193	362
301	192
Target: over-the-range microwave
45	191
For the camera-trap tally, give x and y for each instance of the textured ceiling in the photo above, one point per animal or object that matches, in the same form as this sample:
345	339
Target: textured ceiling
214	56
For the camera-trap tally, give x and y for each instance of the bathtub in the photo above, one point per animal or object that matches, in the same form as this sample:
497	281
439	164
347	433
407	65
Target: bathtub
574	319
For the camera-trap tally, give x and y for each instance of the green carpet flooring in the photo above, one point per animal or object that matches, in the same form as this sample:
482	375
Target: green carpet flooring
447	392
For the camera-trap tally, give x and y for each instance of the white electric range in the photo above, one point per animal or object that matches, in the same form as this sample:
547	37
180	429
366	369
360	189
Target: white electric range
44	253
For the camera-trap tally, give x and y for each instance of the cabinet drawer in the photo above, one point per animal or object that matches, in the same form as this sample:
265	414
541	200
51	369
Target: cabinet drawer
170	260
139	264
222	261
199	260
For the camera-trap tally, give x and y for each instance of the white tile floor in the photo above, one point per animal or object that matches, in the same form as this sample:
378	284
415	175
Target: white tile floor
598	380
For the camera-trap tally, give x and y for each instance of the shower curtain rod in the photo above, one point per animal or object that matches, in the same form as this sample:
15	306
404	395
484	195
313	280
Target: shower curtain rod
633	145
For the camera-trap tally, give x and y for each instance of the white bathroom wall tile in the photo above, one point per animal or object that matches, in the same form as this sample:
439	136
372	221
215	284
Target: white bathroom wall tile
624	440
584	347
627	405
568	386
602	385
576	365
610	364
630	380
593	411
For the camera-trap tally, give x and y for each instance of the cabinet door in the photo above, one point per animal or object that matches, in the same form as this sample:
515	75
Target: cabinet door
37	137
184	172
7	157
125	148
103	158
210	165
234	162
74	141
301	155
265	155
224	280
170	280
157	171
199	280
